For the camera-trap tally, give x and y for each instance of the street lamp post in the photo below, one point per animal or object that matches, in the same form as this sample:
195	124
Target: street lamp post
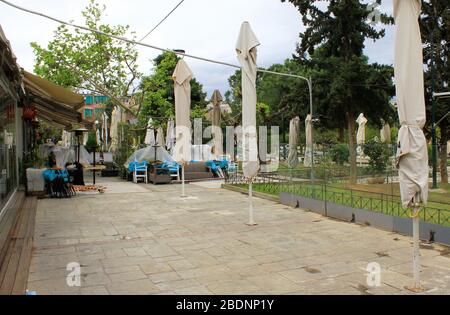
312	127
310	87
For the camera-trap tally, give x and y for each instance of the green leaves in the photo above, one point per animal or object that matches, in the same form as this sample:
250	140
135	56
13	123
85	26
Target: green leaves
158	89
81	59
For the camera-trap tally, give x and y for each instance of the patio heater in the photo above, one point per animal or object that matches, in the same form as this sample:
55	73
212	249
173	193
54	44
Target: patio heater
79	134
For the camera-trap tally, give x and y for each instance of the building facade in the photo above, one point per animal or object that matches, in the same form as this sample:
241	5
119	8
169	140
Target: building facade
11	126
94	107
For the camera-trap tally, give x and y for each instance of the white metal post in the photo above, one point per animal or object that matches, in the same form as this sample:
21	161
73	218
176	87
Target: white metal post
251	221
416	248
183	188
417	287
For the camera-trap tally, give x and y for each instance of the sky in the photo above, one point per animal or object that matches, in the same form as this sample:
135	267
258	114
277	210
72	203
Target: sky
206	28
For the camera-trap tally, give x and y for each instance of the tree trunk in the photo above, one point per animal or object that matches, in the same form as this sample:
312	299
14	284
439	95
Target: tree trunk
352	146
341	134
443	152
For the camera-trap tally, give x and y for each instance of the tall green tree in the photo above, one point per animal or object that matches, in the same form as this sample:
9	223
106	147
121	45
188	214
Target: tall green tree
264	110
333	46
158	89
89	61
435	27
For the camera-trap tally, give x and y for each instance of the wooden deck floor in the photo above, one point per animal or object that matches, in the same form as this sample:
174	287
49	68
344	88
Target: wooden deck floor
17	246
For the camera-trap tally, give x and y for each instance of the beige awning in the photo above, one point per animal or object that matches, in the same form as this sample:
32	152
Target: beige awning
53	92
54	104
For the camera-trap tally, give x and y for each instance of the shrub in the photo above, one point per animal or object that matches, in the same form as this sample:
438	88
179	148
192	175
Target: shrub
379	155
92	141
340	153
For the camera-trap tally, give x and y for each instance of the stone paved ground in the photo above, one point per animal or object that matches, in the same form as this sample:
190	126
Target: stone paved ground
143	239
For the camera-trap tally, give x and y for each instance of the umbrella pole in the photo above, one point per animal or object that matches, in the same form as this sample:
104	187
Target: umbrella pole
416	249
251	221
183	188
417	287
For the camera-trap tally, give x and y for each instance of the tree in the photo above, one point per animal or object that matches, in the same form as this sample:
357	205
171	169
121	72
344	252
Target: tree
158	89
278	97
90	61
379	155
435	27
346	84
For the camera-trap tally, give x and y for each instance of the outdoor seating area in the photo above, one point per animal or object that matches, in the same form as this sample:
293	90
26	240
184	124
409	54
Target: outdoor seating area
288	148
167	246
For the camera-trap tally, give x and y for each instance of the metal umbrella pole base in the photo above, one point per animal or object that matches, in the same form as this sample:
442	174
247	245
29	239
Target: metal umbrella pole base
416	287
251	221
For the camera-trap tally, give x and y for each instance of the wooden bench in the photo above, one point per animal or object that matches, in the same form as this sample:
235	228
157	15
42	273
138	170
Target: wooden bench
17	247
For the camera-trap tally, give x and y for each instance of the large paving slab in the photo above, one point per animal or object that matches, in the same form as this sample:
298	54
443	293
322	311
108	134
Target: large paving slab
144	239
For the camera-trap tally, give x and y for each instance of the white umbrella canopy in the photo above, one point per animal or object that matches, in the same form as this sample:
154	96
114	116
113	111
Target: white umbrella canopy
246	49
309	140
150	134
160	137
361	134
294	129
182	77
385	133
216	100
412	155
170	136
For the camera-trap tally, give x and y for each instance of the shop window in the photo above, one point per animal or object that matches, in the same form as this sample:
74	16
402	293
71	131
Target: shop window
8	163
88	113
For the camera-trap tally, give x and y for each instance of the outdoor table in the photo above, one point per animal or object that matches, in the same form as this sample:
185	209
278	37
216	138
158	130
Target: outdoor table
94	169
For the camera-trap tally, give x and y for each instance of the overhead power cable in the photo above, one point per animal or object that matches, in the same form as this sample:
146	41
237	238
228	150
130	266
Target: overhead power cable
124	39
162	21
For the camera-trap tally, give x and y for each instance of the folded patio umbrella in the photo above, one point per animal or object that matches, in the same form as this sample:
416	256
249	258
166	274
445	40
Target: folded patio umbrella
105	127
294	129
246	49
114	130
216	100
160	137
170	136
309	140
150	134
98	138
66	138
182	77
361	134
385	133
412	154
85	137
